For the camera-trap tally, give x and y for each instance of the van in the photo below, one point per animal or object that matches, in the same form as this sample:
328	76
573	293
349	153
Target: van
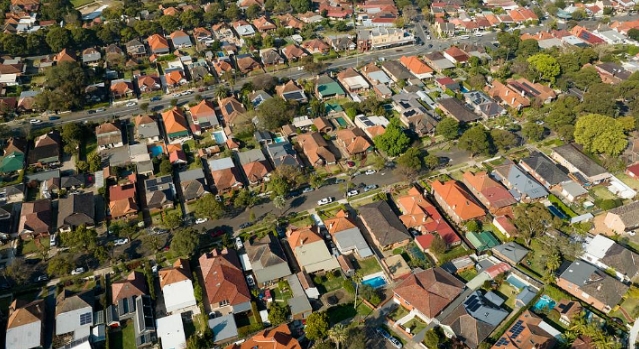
52	240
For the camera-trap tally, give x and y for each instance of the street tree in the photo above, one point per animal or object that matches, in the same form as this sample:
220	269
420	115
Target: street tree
208	207
448	128
600	134
503	139
279	202
81	239
431	161
546	66
316	326
633	33
533	131
185	241
60	265
275	112
475	140
531	220
63	88
153	242
316	181
172	219
394	140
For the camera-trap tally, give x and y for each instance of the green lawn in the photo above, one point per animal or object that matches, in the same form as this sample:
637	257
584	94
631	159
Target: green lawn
123	339
340	313
508	291
632	183
602	193
329	284
398	313
281	295
367	266
415	325
31	246
560	204
468	274
363	309
78	3
556	293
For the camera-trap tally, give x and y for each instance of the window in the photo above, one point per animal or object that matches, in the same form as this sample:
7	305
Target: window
224	303
85	319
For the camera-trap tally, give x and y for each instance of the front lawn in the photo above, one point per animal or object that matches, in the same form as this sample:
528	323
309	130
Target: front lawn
468	274
340	313
367	266
415	325
398	313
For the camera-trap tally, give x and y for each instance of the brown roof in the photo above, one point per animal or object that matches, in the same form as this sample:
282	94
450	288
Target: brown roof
157	41
300	236
178	33
354	140
226	179
133	285
276	338
290	86
458	199
340	222
121	87
143	120
178	273
247	64
231	108
321	123
35	216
149	82
529	334
223	278
21	314
65	56
315	148
256	170
106	128
495	194
174	121
430	290
263	24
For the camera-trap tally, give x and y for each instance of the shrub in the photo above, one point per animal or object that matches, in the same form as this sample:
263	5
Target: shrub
348	286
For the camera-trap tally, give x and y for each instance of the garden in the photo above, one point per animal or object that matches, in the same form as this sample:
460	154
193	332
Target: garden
331	281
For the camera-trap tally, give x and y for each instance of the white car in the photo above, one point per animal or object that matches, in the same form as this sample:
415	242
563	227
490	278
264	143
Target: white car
395	342
120	242
632	233
100	110
324	201
238	243
464	37
370	172
131	104
34	121
479	35
352	193
78	271
52	240
201	220
175	95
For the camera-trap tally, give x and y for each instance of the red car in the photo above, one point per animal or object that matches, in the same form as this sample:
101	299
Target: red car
217	233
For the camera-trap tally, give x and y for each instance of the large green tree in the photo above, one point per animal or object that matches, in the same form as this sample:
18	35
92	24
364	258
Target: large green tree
207	206
185	241
316	326
448	128
546	66
531	220
475	140
64	87
274	113
600	134
394	140
59	38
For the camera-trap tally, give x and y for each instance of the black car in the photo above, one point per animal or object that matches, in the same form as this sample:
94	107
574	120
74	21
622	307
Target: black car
245	225
91	111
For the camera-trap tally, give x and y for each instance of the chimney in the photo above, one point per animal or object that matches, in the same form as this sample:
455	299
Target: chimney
507	92
330	226
302	242
346	214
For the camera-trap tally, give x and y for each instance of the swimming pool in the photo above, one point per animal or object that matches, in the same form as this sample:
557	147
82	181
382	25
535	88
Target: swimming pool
341	122
375	282
544	303
156	150
279	139
557	212
516	282
219	137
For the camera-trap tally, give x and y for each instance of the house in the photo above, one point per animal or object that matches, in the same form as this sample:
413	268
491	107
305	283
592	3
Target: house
456	55
180	39
382	92
223	283
255	166
146	129
519	183
47	149
12	194
427	292
275	338
124	293
326	88
231	108
175	125
420	214
568	310
243	28
149	83
591	285
381	37
247	64
438	62
267	259
632	170
543	170
624	218
473	320
341	43
528	332
579	164
316	149
316	46
135	48
396	71
65	56
158	44
488	191
35	219
457	110
290	91
75	210
270	57
612	257
175	79
27	100
458	203
203	35
417	67
160	193
225	175
346	235
108	136
193	184
74	313
375	74
352	80
293	53
310	250
91	56
385	228
510	252
263	24
484	105
532	90
505	95
170	331
288	21
323	125
123	201
612	73
177	288
444	29
25	325
283	154
353	140
446	83
203	115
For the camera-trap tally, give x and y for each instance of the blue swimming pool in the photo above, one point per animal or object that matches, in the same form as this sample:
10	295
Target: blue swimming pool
280	139
544	303
156	150
219	137
516	282
557	212
375	282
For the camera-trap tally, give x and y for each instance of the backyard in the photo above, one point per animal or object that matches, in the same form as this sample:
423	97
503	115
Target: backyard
346	311
367	266
123	339
328	282
508	292
630	305
468	274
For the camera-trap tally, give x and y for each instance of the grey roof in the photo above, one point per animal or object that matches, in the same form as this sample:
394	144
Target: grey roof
545	168
223	328
159	190
299	305
72	181
491	109
526	296
628	214
143	321
76	209
350	239
262	136
258	97
265	252
396	69
67	301
477	307
144	167
221	164
594	282
578	159
43	176
622	260
149	130
521	182
573	188
512	250
383	223
181	40
189	175
283	154
458	110
494	298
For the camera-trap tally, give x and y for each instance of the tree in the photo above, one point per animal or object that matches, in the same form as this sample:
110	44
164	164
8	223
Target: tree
144	107
185	241
356	338
528	48
300	6
633	33
279	202
275	113
314	67
393	141
207	206
546	66
221	92
431	161
59	38
95	162
410	163
64	87
316	181
448	128
338	334
60	265
432	338
243	199
253	11
438	245
279	185
531	220
473	225
600	99
600	134
533	131
376	161
72	135
277	314
316	326
232	12
165	166
475	140
503	139
170	23
153	242
172	219
81	239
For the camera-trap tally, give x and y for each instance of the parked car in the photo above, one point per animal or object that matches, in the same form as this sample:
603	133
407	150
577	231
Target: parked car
395	342
479	35
34	121
238	243
156	98
78	271
632	233
131	104
91	111
216	233
250	281
324	201
382	332
120	242
370	187
99	110
350	164
201	220
52	240
42	278
245	225
54	118
307	190
370	172
352	193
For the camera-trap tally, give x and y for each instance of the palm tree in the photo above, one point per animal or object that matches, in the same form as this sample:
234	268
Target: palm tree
221	92
553	262
338	334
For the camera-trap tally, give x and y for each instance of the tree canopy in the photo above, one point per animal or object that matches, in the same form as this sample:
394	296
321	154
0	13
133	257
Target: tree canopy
185	241
448	128
394	141
546	66
275	113
600	134
64	87
208	207
475	140
316	326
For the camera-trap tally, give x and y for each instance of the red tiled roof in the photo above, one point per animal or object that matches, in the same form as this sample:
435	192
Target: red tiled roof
458	199
223	278
430	290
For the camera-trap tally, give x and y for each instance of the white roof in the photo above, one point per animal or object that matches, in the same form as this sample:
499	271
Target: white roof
171	331
598	246
356	82
8	78
621	189
246	263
